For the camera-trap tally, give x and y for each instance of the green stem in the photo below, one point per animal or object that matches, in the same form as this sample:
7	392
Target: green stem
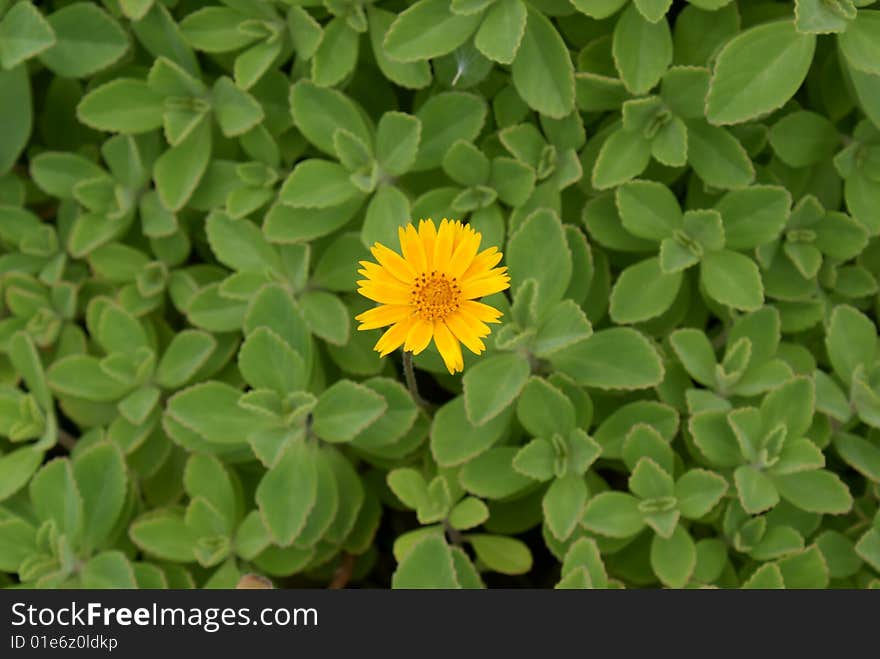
411	384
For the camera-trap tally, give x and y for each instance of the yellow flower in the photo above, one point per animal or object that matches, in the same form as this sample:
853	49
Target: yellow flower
431	291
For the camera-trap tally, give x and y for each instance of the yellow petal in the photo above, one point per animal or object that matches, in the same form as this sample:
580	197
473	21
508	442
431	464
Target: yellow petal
476	326
392	339
448	346
464	254
383	315
384	293
481	311
443	246
393	262
485	286
376	273
428	234
483	263
464	333
412	248
419	336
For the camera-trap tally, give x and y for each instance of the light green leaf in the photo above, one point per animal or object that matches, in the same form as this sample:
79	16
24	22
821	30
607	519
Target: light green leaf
87	39
542	72
502	554
642	50
428	29
345	409
24	33
732	279
673	559
618	358
758	71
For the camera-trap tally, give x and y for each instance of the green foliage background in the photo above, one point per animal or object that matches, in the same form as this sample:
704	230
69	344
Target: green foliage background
685	389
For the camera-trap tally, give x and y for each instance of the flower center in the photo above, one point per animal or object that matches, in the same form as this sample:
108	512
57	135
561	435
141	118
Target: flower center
435	295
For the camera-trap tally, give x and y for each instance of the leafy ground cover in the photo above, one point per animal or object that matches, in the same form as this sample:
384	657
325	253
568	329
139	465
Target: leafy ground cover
682	390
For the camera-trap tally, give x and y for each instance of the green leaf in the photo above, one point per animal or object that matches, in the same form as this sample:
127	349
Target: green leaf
326	316
860	454
468	513
501	554
428	564
820	17
860	42
542	72
24	33
650	481
83	377
642	50
178	170
184	356
673	559
273	307
17	542
617	358
643	291
16	118
623	156
211	409
101	480
698	491
491	475
758	71
732	279
791	404
537	459
466	164
397	142
412	75
563	504
109	569
16	469
124	105
267	362
87	39
215	30
695	353
318	112
55	496
428	29
336	55
564	325
755	489
868	547
613	514
717	157
240	245
163	533
753	216
287	493
316	183
817	491
543	409
539	250
851	341
502	30
806	569
803	138
648	210
27	362
446	118
492	385
767	576
345	409
236	110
